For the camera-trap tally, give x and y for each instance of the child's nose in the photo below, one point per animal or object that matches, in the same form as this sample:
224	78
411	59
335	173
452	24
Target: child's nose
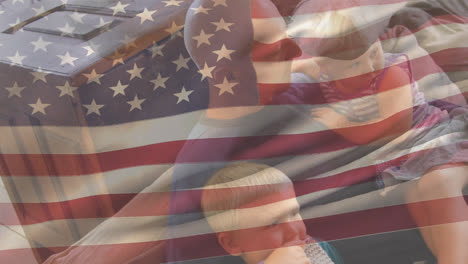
294	230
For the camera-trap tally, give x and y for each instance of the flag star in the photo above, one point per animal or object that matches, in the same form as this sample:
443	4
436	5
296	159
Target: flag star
117	58
146	15
203	38
181	62
66	89
183	95
135	72
1	12
40	44
174	28
93	77
119	8
206	71
225	86
14	90
14	1
64	2
39	75
103	23
39	10
17	59
77	17
118	89
156	50
17	25
219	2
38	107
135	103
223	53
128	41
67	59
222	25
200	9
90	49
172	3
93	108
66	30
159	82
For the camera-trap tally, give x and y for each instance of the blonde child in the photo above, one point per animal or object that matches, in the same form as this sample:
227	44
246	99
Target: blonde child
254	212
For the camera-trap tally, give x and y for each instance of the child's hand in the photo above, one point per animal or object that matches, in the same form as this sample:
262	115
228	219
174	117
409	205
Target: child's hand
291	254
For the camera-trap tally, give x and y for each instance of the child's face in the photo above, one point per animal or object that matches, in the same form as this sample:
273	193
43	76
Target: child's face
366	67
277	224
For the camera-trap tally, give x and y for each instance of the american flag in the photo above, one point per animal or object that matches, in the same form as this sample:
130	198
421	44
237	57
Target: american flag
104	144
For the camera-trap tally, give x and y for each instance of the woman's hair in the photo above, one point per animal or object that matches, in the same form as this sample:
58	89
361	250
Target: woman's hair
330	34
236	186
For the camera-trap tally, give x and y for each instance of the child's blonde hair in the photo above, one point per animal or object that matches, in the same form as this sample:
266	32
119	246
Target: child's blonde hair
236	186
330	34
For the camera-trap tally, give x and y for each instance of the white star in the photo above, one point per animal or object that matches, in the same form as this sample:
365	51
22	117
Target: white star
135	72
159	82
226	87
118	8
18	25
181	62
39	10
200	9
17	59
66	30
222	25
223	53
66	89
103	23
219	2
15	90
146	15
14	1
93	108
174	28
40	44
90	49
172	2
38	107
39	75
156	50
117	58
183	95
128	41
1	12
118	89
64	2
136	103
206	71
77	17
203	38
93	77
67	58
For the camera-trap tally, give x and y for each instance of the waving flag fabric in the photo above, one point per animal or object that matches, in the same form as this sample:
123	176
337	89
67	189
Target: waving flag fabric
105	145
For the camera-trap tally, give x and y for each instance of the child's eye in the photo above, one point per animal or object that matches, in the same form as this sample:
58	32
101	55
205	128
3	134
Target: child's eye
354	65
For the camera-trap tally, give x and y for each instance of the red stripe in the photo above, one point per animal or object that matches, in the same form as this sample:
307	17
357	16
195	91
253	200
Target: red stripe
341	226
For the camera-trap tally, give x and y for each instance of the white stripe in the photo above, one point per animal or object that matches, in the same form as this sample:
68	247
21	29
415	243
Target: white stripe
273	72
123	181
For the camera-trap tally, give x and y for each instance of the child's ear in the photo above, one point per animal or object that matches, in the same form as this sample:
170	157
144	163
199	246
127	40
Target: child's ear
227	241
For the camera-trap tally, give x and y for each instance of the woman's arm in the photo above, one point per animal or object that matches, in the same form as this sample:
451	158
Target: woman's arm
395	105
